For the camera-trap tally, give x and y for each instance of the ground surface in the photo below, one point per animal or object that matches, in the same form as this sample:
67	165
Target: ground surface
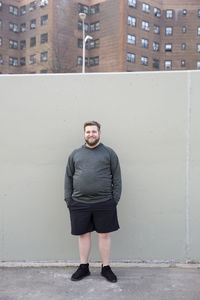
53	283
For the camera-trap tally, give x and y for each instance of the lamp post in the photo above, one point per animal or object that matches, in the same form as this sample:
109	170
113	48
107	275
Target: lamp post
88	37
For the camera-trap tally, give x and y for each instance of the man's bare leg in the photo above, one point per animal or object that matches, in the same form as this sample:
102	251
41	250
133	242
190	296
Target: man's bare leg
84	250
104	247
84	247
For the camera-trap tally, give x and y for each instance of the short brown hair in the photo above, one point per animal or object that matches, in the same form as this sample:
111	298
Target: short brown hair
92	123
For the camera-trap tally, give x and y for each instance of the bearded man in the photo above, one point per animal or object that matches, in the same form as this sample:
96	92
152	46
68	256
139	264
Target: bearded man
92	192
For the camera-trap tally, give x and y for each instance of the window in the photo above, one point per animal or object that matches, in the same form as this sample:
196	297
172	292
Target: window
157	12
13	27
22	44
83	8
44	71
80	44
44	56
22	10
198	47
144	61
168	47
144	43
132	3
183	46
168	64
33	24
145	25
94	9
131	21
183	63
156	46
94	44
1	60
86	26
13	10
44	20
80	61
94	61
198	30
156	29
80	24
32	59
94	26
1	5
13	61
13	44
184	12
145	7
156	63
22	27
168	30
131	39
199	13
130	57
184	29
44	38
0	24
22	61
1	41
33	5
43	3
32	41
198	64
169	14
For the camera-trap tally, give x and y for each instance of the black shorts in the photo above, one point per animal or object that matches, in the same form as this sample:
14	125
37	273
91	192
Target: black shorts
101	217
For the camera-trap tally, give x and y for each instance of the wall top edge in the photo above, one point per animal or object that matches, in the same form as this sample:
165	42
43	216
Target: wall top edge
97	74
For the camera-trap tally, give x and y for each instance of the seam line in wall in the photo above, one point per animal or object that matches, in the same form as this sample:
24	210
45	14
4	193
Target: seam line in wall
188	153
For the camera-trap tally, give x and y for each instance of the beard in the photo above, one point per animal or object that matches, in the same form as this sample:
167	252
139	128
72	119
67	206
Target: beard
92	142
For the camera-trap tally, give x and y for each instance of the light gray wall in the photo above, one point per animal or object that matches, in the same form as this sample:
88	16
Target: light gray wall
152	122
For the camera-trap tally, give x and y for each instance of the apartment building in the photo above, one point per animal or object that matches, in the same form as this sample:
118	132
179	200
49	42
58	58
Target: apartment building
163	35
127	35
25	41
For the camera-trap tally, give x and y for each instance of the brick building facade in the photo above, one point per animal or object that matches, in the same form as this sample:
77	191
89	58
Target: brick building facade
128	35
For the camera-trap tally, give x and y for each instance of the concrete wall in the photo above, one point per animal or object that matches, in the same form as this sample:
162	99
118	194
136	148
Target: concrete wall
150	119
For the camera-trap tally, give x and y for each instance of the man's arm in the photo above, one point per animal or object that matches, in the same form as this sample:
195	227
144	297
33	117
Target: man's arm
69	179
116	176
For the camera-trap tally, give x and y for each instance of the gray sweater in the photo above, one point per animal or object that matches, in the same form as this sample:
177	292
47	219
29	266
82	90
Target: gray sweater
93	175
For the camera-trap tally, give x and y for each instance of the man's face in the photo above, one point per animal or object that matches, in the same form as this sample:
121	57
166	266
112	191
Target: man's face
92	135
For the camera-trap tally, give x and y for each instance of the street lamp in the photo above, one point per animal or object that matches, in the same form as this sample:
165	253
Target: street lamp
88	37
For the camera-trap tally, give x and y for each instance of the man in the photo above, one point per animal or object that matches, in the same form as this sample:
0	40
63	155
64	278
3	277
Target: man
92	191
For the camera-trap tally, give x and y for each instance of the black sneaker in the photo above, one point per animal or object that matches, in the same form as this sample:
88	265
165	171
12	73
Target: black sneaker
81	272
108	274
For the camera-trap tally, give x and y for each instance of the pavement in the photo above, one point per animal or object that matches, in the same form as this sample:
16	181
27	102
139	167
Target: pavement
134	282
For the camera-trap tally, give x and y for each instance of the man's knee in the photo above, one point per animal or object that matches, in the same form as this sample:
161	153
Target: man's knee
104	235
